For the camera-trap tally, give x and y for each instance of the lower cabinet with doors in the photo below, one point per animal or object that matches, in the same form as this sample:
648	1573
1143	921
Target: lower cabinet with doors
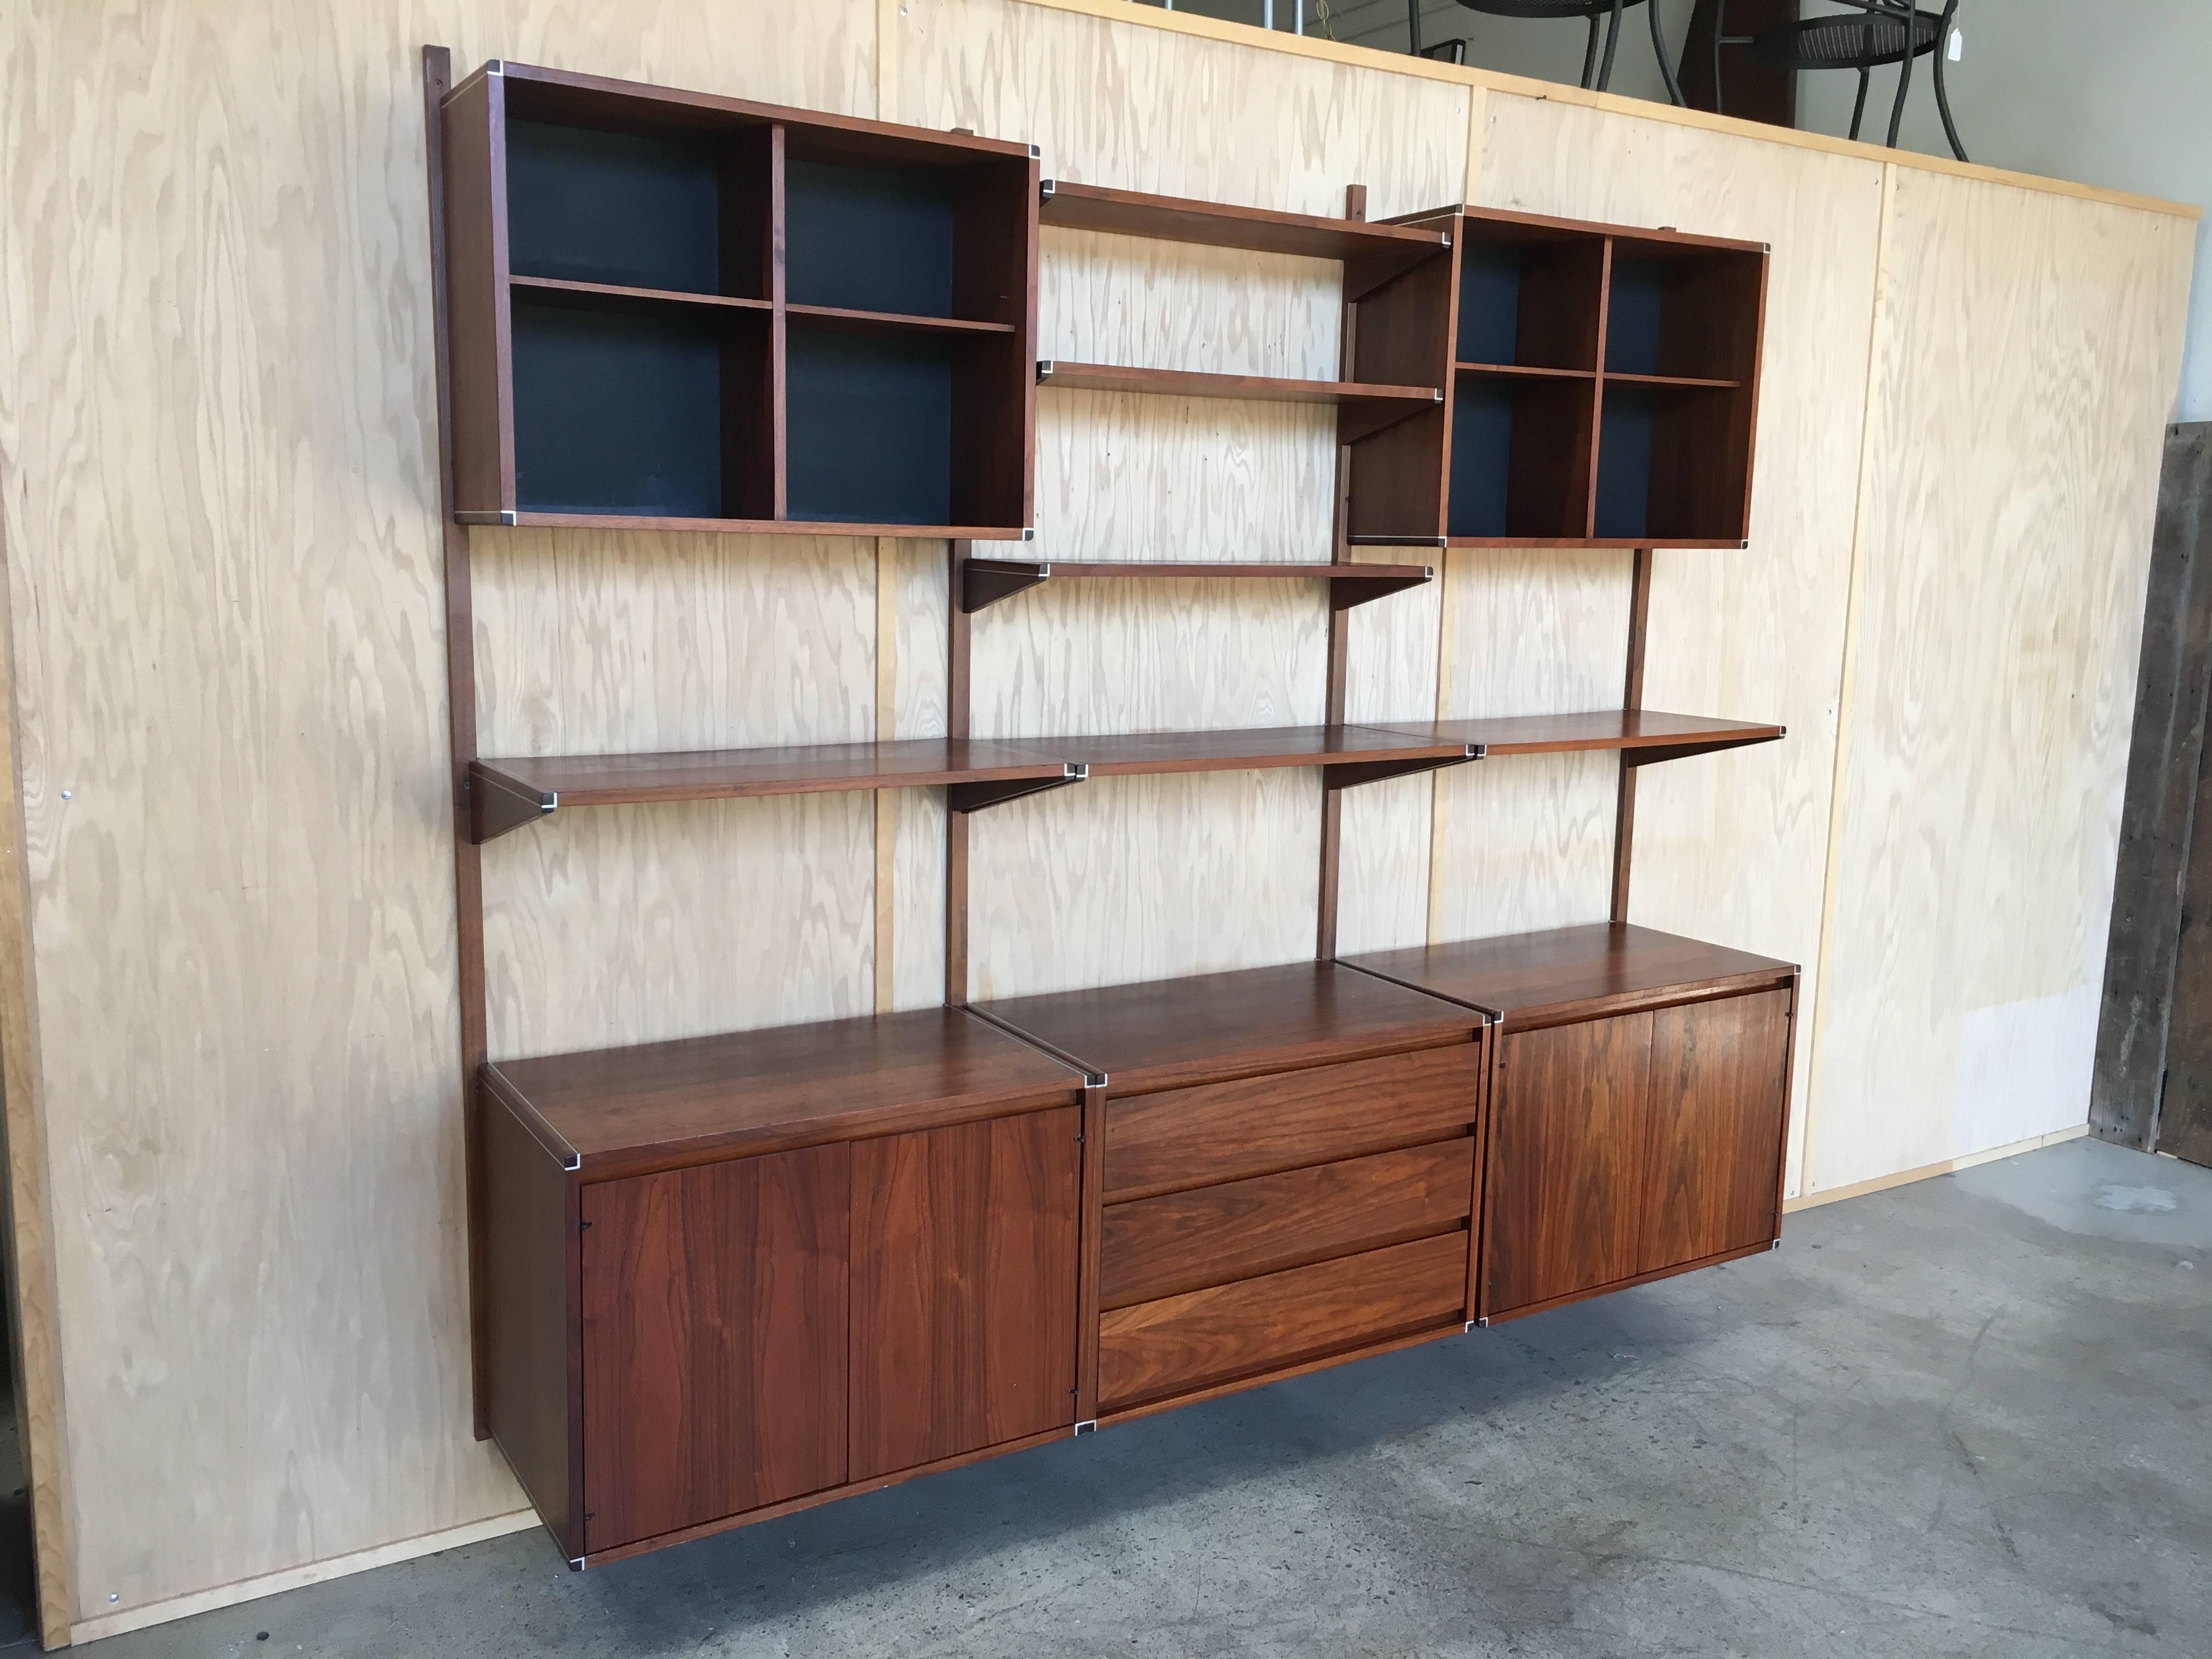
1638	1109
724	1279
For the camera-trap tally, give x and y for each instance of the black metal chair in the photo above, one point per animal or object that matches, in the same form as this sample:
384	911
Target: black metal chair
1603	17
1884	32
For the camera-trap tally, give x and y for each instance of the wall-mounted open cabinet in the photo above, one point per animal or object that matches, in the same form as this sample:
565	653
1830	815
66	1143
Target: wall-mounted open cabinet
1600	384
719	1279
686	312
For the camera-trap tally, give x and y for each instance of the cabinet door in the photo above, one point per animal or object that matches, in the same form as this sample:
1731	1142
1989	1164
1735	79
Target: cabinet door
1719	1095
1565	1192
713	1341
964	1243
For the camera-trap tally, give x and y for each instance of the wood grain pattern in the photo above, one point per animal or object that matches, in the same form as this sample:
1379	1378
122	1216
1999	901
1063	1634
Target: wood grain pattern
2018	488
1564	1188
1712	1163
1183	1343
1725	845
964	1288
256	1116
1182	1137
714	1319
1186	1241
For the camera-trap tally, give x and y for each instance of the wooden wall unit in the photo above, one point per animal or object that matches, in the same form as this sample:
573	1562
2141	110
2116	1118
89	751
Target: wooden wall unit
225	629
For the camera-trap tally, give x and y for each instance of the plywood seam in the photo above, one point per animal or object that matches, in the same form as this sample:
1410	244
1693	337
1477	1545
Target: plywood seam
1373	59
886	827
1846	681
888	13
41	1408
1437	814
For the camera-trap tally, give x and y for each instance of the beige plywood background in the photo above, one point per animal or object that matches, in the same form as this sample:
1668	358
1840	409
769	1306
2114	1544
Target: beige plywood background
217	491
1731	847
2027	351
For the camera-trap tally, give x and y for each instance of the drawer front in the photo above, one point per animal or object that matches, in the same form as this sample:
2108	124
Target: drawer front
1183	1343
1161	1246
1182	1137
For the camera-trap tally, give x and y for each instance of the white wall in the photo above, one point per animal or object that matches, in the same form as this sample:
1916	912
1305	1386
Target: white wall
2049	86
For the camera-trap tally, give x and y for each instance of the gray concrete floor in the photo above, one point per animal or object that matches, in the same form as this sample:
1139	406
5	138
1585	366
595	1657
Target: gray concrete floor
1966	1417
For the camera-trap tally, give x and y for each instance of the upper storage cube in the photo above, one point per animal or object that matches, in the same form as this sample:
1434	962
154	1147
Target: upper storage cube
670	309
1604	387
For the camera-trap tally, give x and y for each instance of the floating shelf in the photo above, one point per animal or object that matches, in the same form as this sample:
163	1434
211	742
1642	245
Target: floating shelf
1350	754
891	322
1671	382
612	297
1365	410
510	794
1373	252
1642	736
984	582
1523	371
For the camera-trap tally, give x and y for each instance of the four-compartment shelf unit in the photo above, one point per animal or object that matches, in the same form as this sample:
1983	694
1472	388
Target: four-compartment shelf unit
717	1279
676	311
1601	385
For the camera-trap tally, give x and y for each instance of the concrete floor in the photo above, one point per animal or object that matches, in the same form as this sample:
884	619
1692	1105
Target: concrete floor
1966	1417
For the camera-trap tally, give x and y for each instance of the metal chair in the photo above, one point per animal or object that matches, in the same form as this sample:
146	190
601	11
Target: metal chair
1597	74
1885	31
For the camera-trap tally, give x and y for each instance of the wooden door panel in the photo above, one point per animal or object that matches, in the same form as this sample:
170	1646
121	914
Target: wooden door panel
965	1245
1567	1145
713	1341
1719	1072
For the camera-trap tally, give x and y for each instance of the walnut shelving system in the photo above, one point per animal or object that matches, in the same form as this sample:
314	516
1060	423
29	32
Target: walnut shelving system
917	1239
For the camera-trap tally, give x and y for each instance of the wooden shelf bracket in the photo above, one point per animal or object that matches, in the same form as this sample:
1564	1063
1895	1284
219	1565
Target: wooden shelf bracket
977	797
497	804
1655	753
984	582
1353	773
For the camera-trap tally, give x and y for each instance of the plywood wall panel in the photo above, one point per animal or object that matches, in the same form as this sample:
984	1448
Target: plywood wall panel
1732	847
218	422
1390	664
2025	357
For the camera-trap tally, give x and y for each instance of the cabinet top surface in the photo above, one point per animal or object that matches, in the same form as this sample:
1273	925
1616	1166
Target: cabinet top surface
748	1090
1218	1025
1521	974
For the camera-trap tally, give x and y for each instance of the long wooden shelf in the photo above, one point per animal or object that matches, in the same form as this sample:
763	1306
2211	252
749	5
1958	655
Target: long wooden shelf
506	794
1641	735
1349	754
984	582
1378	251
1365	410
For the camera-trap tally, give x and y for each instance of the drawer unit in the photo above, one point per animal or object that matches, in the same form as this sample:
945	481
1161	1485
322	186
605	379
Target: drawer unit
1181	1138
1180	1344
1187	1240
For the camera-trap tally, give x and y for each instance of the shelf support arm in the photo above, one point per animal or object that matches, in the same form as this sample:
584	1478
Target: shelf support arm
1352	774
984	582
977	797
498	802
1346	591
1672	752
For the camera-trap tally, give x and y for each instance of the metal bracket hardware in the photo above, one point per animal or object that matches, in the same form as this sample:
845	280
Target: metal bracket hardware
1089	1425
975	797
484	515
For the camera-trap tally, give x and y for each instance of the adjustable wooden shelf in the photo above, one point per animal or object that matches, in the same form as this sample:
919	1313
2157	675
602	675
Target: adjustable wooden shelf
1602	383
675	311
718	1279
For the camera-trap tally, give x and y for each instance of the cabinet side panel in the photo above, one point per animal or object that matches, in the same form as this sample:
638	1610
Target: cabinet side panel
1567	1140
964	1261
527	1243
1719	1074
715	1303
476	297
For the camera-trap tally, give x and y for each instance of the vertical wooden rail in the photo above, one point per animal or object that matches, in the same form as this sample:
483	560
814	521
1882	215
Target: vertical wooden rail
1093	1226
461	727
956	824
1339	630
1631	698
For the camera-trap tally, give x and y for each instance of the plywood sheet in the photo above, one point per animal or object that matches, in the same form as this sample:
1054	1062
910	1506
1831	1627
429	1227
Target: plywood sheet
1732	847
2026	352
218	414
